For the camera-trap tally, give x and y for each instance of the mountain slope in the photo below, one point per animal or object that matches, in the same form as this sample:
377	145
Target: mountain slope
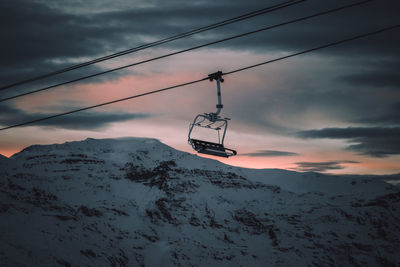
136	201
3	158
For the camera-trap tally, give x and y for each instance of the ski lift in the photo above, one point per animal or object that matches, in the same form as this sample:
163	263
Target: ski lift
212	121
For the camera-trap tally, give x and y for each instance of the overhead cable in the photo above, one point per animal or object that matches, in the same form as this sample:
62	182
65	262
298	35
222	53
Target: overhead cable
206	78
159	42
188	49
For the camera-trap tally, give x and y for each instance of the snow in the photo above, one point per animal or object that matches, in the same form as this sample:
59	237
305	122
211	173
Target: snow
3	158
137	201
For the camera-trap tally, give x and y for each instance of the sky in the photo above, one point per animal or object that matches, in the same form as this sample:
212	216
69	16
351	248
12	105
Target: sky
335	110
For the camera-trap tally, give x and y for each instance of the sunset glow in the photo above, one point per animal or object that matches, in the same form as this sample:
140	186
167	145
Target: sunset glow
333	111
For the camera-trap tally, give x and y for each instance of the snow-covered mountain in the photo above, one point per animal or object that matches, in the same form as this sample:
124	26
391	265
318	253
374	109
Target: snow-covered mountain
138	202
2	157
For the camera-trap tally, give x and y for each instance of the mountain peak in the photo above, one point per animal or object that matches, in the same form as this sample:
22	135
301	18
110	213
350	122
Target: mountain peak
91	144
139	202
124	149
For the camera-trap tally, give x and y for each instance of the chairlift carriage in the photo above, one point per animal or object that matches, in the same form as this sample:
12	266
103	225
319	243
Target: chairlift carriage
212	121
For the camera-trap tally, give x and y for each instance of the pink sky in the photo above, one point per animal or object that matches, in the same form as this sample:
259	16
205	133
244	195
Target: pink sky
173	111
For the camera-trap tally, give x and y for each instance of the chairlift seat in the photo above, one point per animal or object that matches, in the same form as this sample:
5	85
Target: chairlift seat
212	121
211	148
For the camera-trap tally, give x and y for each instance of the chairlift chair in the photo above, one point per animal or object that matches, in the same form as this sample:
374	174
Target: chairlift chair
212	121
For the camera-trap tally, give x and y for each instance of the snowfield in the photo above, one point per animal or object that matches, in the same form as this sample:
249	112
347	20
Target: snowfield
139	202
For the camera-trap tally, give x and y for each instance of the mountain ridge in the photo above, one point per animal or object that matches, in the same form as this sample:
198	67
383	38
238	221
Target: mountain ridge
140	202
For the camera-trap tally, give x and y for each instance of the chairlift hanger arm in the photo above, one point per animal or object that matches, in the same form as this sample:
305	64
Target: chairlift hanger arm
218	77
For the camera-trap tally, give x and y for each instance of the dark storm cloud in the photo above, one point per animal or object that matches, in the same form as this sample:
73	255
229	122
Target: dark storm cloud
38	40
375	78
169	18
373	141
10	115
351	132
381	73
389	116
322	166
34	33
316	90
270	153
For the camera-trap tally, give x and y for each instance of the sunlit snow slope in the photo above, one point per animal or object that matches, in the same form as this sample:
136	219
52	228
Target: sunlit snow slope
138	202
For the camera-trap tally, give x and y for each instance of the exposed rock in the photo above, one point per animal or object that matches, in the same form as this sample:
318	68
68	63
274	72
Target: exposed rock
138	202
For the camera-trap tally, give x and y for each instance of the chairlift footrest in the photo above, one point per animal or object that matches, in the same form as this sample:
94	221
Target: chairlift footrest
211	148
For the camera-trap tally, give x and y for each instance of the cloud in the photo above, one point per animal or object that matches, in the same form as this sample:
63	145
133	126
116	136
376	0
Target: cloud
176	17
54	37
379	74
322	166
92	120
351	132
389	116
376	78
97	31
373	141
354	82
270	153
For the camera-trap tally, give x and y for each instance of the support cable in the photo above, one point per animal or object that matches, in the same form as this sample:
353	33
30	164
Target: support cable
159	42
188	49
207	78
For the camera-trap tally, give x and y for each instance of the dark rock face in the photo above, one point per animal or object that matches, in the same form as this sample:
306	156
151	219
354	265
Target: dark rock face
140	203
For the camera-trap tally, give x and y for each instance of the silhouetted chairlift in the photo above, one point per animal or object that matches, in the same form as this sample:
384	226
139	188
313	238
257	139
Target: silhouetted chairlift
212	121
